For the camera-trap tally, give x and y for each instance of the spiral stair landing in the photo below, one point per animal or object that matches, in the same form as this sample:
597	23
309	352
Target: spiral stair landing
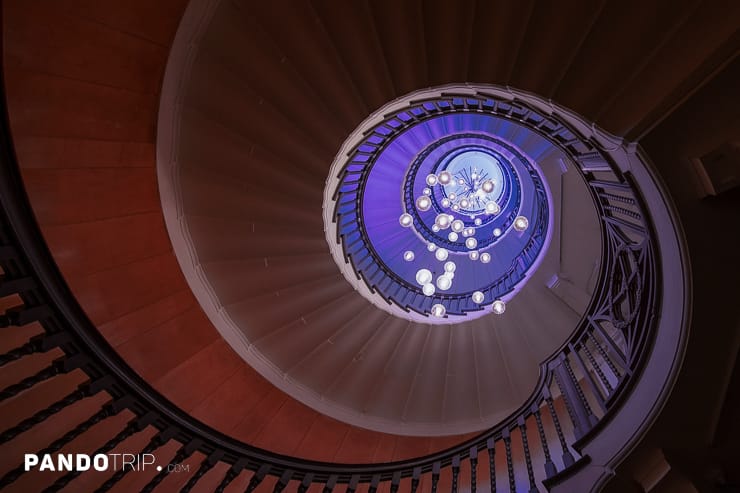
84	121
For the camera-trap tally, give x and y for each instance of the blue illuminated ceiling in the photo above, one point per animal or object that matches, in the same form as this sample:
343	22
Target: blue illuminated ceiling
425	189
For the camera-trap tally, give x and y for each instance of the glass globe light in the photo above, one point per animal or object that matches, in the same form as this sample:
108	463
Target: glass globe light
431	247
423	276
460	181
441	254
450	266
405	220
468	232
492	208
485	257
453	196
521	223
452	236
443	221
445	202
478	221
435	228
427	191
444	178
464	203
498	307
438	310
408	255
497	232
423	203
473	255
431	180
471	243
455	207
444	283
457	225
428	289
487	186
478	297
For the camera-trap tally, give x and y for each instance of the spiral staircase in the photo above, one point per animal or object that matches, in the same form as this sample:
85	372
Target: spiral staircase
201	318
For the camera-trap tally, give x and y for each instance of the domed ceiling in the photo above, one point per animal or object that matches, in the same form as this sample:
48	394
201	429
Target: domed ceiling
322	237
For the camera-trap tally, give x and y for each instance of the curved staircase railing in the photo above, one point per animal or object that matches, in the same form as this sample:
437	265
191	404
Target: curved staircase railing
580	387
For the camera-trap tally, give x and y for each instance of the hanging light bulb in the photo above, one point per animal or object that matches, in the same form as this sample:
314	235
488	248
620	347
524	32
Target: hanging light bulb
453	196
478	221
443	221
492	208
438	310
450	266
431	180
464	203
423	203
473	255
444	283
471	243
428	289
441	254
487	186
521	223
452	236
445	202
497	232
427	191
405	219
478	297
431	247
485	257
423	276
457	225
498	307
435	228
444	178
408	255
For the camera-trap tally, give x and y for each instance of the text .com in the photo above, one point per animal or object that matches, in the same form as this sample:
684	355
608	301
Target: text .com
98	462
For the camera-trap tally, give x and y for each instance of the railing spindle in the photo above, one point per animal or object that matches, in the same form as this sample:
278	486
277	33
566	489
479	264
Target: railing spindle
205	466
255	481
550	469
568	459
41	416
527	457
231	475
283	481
473	469
435	476
506	435
415	479
491	447
455	472
597	369
330	484
615	371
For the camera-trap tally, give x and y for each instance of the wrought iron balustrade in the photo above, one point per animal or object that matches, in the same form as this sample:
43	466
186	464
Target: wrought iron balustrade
580	386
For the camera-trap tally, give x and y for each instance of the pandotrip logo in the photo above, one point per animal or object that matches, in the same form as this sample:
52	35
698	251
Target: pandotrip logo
98	462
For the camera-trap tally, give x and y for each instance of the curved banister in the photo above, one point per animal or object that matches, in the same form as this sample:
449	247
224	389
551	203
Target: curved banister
591	368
